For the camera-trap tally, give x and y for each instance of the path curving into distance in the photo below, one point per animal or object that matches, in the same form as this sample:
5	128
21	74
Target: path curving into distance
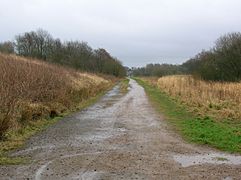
120	137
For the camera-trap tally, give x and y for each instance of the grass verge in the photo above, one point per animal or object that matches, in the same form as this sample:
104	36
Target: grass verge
17	139
223	135
124	84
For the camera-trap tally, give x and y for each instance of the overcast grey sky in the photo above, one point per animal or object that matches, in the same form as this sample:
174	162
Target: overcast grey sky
135	31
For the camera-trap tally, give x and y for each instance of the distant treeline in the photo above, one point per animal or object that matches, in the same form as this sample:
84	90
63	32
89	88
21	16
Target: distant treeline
40	44
157	70
220	63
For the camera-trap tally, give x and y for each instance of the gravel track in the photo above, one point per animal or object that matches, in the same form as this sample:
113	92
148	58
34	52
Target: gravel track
120	137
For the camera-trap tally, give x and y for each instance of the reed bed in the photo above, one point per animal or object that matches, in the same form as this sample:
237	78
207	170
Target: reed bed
216	99
31	90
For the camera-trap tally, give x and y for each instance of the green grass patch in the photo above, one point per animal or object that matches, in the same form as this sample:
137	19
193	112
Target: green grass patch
222	135
124	84
17	139
220	159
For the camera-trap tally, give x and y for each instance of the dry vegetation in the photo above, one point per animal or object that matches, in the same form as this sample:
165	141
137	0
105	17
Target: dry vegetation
219	100
31	90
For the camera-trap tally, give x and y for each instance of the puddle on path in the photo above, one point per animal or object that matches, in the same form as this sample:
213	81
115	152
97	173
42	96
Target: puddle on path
101	134
90	175
212	158
34	148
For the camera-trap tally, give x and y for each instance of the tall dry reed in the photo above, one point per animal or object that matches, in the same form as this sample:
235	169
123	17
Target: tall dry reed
31	90
221	100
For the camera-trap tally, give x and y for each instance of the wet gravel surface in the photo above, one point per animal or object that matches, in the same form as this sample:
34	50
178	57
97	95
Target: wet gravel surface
120	137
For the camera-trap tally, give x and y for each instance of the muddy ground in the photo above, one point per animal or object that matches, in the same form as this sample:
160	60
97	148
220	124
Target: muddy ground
120	137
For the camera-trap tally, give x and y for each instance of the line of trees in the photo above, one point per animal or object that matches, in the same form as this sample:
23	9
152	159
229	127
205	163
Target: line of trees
157	70
40	44
220	63
7	47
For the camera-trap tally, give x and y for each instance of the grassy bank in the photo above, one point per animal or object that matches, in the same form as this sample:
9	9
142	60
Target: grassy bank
35	94
224	135
17	139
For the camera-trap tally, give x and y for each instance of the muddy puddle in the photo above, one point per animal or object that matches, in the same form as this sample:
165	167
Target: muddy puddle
210	158
101	134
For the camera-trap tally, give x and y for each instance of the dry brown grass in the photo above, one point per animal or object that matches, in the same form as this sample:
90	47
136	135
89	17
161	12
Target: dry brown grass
151	80
219	100
32	90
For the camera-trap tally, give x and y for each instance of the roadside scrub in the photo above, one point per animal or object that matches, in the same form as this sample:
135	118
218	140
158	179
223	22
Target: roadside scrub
35	94
224	135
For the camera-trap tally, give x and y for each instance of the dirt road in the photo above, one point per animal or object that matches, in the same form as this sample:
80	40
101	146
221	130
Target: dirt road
120	137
